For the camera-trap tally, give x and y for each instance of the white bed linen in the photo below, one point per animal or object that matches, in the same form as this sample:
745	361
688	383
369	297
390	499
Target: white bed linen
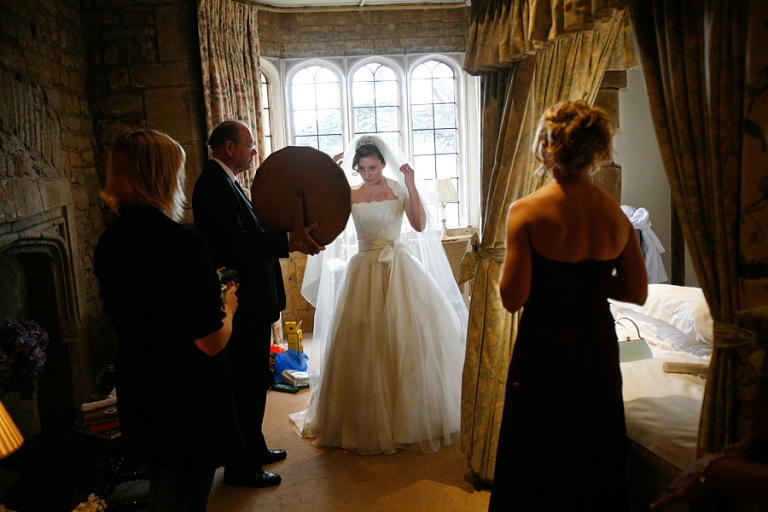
662	409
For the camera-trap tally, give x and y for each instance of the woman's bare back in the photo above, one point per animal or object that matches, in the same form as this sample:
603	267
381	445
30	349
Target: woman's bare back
576	221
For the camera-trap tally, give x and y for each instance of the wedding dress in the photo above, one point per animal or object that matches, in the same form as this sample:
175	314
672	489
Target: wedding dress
391	371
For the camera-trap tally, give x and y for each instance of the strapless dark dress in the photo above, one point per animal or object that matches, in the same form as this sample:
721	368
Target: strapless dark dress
563	440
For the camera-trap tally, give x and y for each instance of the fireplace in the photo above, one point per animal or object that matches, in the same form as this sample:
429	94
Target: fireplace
38	282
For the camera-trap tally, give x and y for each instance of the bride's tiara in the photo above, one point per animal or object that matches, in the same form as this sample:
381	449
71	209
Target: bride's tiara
365	143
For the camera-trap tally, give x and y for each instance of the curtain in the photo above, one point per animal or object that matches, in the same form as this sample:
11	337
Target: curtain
514	97
693	55
229	53
505	31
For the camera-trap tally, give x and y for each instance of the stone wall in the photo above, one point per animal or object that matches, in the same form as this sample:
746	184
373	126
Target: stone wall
144	72
46	147
373	30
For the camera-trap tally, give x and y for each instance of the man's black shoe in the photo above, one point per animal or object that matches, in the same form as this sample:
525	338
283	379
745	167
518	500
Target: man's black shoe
273	456
258	479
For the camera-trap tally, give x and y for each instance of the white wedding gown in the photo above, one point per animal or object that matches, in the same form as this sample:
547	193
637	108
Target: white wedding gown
391	374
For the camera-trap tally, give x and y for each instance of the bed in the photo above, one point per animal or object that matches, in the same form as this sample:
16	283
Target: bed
662	408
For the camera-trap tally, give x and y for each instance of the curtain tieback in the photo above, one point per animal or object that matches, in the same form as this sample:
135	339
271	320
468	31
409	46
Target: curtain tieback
471	260
729	336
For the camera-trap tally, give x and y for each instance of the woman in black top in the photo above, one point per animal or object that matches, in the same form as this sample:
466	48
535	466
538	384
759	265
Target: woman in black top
163	295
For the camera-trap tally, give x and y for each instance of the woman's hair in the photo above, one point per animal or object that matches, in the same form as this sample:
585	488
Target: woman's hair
578	137
366	149
146	167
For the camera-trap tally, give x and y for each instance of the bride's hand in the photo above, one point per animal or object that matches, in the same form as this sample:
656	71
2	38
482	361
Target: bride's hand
408	171
339	159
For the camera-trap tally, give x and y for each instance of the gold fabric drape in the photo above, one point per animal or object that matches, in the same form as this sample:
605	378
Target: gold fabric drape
693	56
569	67
229	53
505	31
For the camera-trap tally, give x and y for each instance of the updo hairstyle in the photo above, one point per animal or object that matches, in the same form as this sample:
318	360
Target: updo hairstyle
578	137
366	149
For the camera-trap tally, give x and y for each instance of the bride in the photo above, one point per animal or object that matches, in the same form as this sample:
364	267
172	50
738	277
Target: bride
390	375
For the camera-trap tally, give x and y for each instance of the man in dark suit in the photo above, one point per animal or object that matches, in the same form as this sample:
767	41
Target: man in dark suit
225	217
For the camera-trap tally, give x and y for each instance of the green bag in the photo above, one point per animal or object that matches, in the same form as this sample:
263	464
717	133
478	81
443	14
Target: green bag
633	349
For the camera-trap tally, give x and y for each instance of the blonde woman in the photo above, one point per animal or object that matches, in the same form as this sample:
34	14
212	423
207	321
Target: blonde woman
569	248
163	295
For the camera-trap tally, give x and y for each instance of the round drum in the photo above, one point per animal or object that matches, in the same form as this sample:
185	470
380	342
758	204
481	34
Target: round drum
299	185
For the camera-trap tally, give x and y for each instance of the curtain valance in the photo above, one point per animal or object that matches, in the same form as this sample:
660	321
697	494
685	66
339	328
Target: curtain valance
504	31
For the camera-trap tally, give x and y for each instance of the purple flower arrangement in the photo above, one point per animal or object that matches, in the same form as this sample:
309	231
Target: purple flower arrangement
22	353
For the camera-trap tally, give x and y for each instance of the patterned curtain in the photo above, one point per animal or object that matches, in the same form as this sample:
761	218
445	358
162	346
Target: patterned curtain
515	94
229	52
709	121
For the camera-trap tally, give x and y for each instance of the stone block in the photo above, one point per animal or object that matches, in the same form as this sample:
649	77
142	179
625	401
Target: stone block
609	178
7	202
110	130
27	197
55	193
294	299
608	99
162	75
133	33
80	197
118	79
174	110
177	34
22	165
75	160
138	16
111	54
460	16
122	104
11	58
307	319
614	80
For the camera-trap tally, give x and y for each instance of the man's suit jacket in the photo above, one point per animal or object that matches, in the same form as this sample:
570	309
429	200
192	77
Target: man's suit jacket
225	217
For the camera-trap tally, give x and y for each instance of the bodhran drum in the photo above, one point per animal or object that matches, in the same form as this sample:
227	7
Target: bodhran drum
297	186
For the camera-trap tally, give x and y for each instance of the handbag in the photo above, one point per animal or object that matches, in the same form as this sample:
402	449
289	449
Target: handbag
633	349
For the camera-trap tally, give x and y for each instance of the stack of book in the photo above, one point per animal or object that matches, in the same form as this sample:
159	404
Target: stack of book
296	378
99	418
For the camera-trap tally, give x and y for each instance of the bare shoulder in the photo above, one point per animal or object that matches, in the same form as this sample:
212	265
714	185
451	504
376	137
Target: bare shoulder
356	193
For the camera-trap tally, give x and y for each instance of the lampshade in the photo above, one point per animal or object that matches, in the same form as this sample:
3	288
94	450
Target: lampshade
446	192
10	437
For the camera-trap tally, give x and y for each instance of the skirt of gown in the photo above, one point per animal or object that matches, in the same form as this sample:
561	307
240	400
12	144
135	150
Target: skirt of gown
391	374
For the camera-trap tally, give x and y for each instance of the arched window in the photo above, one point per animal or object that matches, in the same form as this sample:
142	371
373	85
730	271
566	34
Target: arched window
434	123
376	102
422	104
266	115
316	109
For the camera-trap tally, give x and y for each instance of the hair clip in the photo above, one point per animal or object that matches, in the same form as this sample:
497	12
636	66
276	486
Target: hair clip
364	143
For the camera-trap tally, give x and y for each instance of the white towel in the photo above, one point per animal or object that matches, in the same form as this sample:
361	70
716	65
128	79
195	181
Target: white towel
652	248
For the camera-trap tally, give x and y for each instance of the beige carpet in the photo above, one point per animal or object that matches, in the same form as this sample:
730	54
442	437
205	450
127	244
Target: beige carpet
320	480
334	479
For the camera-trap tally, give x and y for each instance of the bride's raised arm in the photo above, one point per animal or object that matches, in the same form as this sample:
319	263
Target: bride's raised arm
414	210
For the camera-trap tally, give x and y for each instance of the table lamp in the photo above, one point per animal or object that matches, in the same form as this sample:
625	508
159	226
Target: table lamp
446	193
10	437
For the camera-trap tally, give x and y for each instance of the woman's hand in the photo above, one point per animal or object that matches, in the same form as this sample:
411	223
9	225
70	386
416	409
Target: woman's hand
409	173
339	159
689	485
231	304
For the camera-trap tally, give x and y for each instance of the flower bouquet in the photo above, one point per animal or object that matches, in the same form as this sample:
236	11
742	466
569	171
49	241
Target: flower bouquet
22	356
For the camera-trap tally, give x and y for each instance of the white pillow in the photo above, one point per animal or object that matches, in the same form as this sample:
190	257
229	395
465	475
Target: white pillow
681	306
653	329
